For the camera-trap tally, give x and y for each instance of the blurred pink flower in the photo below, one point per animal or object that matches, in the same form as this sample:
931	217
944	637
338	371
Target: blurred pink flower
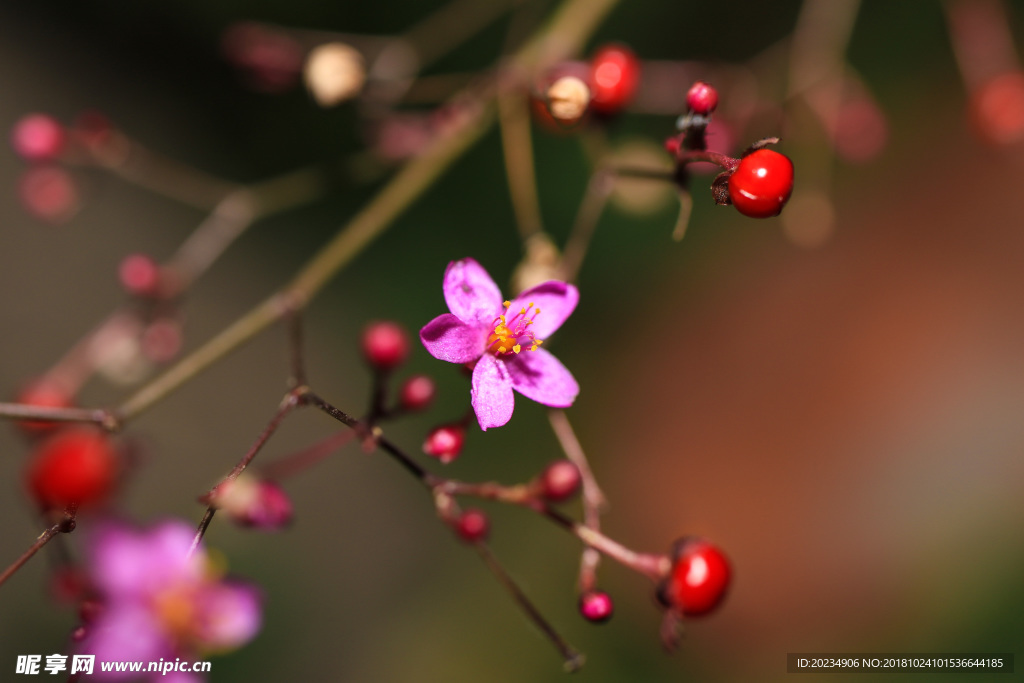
159	602
503	338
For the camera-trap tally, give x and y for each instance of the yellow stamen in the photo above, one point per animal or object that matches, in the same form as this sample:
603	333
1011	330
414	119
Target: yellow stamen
517	348
506	304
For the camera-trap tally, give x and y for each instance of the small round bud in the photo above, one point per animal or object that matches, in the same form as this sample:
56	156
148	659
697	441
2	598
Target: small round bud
614	75
702	98
48	193
445	442
698	580
38	137
596	606
560	481
417	392
568	98
75	466
255	503
44	393
139	275
334	73
385	345
472	526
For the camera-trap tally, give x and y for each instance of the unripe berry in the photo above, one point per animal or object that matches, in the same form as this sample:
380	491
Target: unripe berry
559	481
43	393
445	442
568	98
596	606
38	137
762	183
75	466
417	392
253	502
698	580
385	344
334	72
472	526
702	98
614	76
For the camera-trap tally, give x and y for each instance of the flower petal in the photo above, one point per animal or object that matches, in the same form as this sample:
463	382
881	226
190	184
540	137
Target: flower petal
231	615
493	399
446	337
556	301
540	376
471	293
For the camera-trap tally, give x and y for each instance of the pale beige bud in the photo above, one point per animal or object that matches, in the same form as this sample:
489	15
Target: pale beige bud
334	72
568	98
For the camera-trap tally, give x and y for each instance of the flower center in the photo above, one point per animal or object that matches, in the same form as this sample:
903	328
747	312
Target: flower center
511	331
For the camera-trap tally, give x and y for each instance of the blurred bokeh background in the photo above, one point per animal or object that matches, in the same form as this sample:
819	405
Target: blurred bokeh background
835	397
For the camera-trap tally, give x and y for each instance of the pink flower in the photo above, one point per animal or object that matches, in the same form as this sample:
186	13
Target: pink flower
503	338
159	602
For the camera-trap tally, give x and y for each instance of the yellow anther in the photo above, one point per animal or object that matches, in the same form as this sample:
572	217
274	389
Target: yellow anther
506	304
517	348
538	311
502	349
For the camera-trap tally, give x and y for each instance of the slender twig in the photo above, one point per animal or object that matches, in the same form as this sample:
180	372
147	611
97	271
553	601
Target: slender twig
572	658
517	147
65	526
22	411
594	200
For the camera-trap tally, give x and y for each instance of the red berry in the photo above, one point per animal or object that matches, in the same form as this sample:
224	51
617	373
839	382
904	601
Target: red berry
614	76
139	275
385	345
445	442
48	193
417	392
997	108
762	183
699	578
38	137
74	466
472	526
45	394
560	481
596	606
702	98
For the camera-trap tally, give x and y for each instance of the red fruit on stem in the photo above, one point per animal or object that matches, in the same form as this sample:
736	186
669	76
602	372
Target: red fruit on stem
997	108
385	344
445	442
762	183
560	481
596	606
702	98
614	77
38	137
699	578
472	526
417	392
75	466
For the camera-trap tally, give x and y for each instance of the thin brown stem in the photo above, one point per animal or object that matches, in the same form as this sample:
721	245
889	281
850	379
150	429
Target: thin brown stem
99	416
65	526
598	190
571	657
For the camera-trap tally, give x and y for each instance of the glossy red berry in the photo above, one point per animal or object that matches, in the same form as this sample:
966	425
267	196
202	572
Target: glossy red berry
472	526
417	392
699	578
38	137
75	466
559	481
596	606
385	344
445	442
614	77
702	98
43	393
762	183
